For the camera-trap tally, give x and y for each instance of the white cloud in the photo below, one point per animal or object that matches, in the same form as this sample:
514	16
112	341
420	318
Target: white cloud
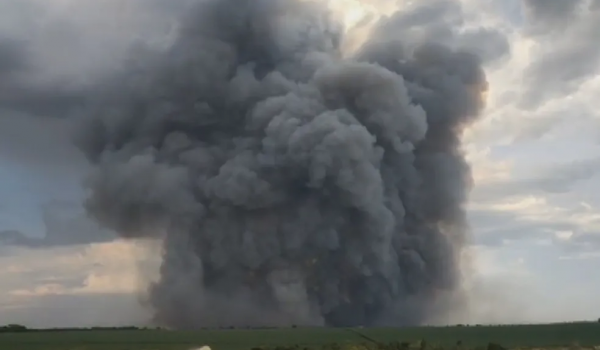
107	268
98	284
87	310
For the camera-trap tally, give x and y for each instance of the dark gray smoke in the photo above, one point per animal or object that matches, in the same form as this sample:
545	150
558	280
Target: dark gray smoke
290	183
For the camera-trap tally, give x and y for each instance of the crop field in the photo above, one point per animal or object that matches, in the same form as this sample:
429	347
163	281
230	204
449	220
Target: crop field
571	335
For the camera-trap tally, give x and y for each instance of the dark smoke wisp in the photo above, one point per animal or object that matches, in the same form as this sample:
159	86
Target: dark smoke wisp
290	184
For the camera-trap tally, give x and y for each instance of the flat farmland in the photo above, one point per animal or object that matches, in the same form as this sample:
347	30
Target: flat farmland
517	336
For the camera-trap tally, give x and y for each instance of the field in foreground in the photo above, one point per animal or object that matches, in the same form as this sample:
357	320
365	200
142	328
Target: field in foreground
521	336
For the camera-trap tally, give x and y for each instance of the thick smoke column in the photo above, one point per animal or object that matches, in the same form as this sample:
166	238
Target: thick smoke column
290	183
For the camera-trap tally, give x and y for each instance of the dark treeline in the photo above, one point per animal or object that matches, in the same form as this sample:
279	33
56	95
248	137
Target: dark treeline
16	328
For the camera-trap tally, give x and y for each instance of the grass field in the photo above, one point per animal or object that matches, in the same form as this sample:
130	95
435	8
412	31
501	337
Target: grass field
539	336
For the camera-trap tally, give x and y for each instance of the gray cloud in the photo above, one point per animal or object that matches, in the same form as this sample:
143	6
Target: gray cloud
64	227
490	44
442	21
553	179
41	144
566	31
549	15
555	183
497	228
582	241
13	57
49	54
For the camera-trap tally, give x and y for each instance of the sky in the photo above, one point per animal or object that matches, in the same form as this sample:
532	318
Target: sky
534	214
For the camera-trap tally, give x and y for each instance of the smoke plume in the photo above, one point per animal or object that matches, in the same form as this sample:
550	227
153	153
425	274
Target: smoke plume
290	182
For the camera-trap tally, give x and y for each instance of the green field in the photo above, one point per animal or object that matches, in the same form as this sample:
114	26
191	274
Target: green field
555	335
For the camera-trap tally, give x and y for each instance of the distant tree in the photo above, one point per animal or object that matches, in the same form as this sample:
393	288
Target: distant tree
13	328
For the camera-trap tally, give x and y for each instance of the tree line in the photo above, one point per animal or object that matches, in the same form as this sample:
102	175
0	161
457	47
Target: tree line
17	328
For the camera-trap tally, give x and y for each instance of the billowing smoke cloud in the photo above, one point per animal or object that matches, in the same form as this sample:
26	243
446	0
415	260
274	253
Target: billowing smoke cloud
290	182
